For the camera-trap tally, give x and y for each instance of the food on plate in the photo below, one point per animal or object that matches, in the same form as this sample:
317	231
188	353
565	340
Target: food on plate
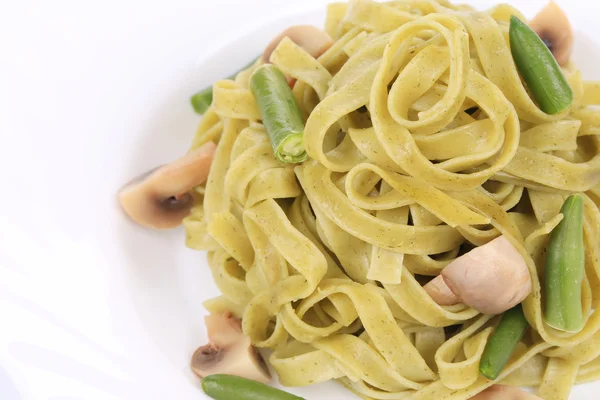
405	202
554	28
503	392
231	387
565	269
279	113
501	345
312	39
539	69
490	278
203	99
229	351
161	198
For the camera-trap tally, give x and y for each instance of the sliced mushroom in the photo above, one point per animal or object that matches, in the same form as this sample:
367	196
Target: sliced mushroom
229	351
161	198
441	293
491	278
552	25
504	392
313	40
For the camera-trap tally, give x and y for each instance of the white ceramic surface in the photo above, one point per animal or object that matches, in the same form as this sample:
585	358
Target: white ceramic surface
91	94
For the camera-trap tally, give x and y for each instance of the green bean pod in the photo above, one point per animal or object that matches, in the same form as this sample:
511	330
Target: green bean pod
503	342
203	99
565	268
229	387
280	113
539	69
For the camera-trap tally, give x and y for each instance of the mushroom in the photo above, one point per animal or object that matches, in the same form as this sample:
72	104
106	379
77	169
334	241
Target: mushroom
161	198
504	392
439	291
313	40
491	278
552	25
229	351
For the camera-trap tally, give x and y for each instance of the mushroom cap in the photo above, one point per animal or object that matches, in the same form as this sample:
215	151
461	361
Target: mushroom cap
160	198
504	392
552	25
229	351
439	291
491	278
313	40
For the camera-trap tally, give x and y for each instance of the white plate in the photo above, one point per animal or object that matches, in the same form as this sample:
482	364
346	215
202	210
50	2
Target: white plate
93	93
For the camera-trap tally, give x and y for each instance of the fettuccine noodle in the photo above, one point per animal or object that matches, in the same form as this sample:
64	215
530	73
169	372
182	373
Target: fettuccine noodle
324	260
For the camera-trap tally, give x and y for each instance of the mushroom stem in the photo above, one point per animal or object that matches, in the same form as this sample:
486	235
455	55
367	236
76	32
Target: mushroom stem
161	198
491	278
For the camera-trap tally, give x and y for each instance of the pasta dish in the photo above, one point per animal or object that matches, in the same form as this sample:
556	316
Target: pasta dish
406	201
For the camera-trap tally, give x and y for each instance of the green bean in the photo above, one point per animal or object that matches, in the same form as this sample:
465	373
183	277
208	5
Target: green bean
229	387
503	342
539	69
203	99
280	113
565	268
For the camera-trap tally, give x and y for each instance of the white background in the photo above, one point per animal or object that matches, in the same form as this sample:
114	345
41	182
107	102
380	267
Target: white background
92	93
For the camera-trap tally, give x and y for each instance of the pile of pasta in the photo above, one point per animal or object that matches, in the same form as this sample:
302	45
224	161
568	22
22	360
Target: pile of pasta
422	142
